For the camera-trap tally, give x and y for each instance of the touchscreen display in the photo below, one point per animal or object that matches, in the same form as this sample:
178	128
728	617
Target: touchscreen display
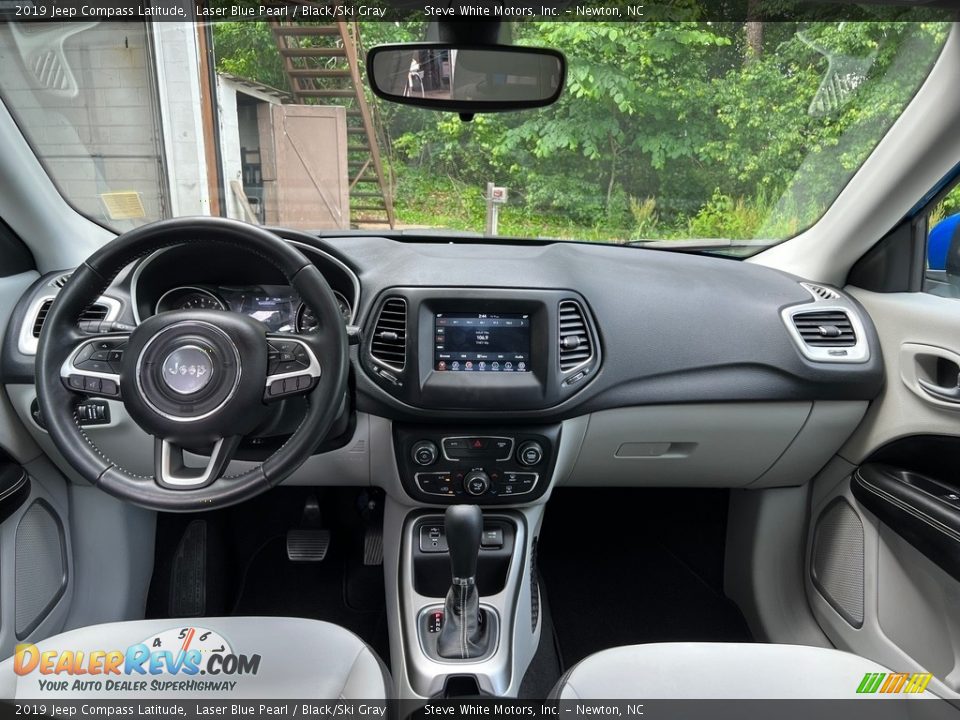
482	342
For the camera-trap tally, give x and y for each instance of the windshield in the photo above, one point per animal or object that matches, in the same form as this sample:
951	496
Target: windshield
723	136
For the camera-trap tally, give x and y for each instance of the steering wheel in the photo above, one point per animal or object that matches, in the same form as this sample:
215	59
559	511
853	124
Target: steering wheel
191	378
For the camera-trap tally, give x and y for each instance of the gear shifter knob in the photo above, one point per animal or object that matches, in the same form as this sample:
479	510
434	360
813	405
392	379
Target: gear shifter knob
463	525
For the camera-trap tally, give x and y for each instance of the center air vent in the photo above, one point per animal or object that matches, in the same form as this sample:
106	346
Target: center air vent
389	343
825	329
94	313
575	346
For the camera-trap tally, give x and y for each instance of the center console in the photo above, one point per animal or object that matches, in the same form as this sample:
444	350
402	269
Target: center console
462	624
461	367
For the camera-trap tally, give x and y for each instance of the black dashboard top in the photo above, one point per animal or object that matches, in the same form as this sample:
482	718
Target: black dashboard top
665	327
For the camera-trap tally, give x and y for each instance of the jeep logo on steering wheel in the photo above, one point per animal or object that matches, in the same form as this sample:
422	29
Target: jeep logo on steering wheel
187	370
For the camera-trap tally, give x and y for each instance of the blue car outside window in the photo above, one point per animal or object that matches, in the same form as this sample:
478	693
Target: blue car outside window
938	244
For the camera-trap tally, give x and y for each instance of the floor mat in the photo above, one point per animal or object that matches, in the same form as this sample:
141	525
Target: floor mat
337	590
636	566
247	571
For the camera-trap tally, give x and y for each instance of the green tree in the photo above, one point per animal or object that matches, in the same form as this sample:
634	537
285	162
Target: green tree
248	50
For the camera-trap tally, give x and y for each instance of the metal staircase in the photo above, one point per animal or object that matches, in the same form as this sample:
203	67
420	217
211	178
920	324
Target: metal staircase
322	63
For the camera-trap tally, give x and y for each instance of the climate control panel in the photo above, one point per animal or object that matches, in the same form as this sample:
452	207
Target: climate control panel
484	466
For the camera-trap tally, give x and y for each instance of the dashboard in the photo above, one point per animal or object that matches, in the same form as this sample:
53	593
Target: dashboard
545	331
484	370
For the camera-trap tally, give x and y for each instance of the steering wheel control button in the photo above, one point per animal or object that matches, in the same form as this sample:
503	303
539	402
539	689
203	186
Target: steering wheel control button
289	386
286	357
115	360
91	369
424	453
187	370
529	454
93	385
99	366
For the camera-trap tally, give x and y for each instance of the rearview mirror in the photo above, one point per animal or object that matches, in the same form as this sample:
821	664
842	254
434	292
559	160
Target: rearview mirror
466	79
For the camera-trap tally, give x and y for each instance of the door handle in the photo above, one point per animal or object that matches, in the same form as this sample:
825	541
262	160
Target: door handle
931	373
947	394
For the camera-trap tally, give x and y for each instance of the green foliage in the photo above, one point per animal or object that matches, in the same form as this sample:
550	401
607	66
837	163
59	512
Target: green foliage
248	50
946	207
727	217
665	129
645	218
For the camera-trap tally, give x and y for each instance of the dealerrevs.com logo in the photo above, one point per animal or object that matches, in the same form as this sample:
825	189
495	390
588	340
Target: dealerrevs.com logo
179	652
891	683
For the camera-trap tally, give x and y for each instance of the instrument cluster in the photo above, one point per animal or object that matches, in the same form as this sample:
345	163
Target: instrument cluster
276	306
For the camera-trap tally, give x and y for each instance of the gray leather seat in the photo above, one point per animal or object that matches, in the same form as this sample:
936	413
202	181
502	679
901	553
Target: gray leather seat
205	658
717	671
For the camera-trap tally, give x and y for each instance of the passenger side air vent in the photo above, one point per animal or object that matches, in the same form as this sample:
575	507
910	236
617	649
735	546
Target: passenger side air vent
95	313
389	343
825	329
575	346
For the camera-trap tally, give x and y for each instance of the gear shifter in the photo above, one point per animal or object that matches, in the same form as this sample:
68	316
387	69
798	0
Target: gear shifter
462	635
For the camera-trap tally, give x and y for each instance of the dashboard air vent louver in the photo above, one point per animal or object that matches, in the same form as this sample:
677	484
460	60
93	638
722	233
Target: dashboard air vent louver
94	313
821	293
41	317
830	328
389	343
60	280
575	346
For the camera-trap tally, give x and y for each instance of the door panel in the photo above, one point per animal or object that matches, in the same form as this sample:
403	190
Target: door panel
891	553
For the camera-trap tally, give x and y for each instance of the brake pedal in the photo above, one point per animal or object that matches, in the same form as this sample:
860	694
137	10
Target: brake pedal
307	545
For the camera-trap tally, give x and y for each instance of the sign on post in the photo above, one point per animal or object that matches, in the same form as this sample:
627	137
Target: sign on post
496	196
